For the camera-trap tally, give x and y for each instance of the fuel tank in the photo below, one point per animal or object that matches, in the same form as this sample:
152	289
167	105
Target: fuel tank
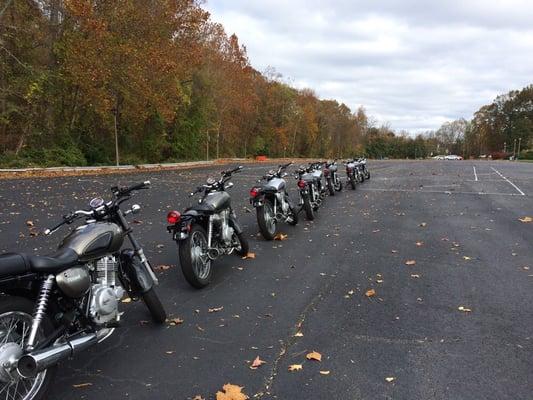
217	200
276	184
94	240
308	177
333	168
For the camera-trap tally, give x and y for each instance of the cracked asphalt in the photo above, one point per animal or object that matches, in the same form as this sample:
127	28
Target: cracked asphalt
458	220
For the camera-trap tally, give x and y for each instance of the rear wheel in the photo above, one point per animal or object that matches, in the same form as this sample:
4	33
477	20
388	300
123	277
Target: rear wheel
152	302
194	259
352	182
338	184
331	189
308	208
293	218
367	174
15	323
266	220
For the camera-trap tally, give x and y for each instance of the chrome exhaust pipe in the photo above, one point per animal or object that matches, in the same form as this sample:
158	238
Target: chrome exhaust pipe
29	365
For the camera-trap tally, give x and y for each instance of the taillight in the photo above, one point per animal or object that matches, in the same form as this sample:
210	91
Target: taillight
348	169
301	184
173	217
254	192
326	172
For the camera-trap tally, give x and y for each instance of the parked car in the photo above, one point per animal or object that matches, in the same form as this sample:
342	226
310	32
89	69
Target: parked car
453	157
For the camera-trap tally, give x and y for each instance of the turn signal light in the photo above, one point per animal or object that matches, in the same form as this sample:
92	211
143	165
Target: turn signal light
301	183
173	217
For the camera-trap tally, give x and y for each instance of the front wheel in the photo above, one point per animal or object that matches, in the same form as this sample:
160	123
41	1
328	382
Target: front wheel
240	244
152	302
338	184
266	220
15	323
293	217
367	175
308	208
194	258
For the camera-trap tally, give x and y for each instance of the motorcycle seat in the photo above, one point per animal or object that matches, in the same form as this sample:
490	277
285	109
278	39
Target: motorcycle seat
59	261
20	263
13	264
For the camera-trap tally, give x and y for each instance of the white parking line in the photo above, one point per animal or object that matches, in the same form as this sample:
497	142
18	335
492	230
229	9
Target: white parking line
512	184
447	192
475	173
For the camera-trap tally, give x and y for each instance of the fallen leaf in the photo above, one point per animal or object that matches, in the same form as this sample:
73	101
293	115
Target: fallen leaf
410	262
324	372
249	255
198	397
419	244
216	309
370	293
162	267
82	385
415	276
175	321
423	224
390	378
375	231
467	258
526	219
464	309
231	392
29	223
298	334
394	251
169	352
257	363
314	356
126	300
295	367
281	236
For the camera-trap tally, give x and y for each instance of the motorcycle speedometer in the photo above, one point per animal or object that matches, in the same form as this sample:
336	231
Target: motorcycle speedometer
96	202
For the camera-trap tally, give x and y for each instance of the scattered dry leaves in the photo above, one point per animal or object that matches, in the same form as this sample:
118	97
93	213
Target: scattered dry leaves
162	267
215	309
175	321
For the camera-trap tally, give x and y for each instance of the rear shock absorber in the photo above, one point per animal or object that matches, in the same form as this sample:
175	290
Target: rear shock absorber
40	310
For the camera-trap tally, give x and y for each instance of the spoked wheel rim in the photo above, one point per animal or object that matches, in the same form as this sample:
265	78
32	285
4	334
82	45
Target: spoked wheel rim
15	328
270	220
201	263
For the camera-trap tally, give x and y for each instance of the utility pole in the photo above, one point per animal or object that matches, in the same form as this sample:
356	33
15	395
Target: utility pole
115	112
218	140
207	146
504	147
514	149
519	143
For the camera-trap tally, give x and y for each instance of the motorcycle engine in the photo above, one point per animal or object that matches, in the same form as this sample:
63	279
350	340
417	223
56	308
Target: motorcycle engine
283	202
105	293
226	231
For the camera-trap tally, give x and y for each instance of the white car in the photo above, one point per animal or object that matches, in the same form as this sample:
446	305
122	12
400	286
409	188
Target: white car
453	157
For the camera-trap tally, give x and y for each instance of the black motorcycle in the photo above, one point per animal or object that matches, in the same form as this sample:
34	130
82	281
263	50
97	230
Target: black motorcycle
333	180
311	189
207	230
53	307
272	203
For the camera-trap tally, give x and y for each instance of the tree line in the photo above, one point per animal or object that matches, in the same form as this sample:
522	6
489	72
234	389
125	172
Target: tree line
159	81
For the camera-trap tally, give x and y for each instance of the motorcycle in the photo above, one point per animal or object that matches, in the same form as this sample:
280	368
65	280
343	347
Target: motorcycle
54	307
352	173
272	203
333	181
208	230
365	173
310	187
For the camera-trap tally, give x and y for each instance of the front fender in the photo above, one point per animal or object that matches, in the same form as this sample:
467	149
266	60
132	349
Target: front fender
134	277
234	223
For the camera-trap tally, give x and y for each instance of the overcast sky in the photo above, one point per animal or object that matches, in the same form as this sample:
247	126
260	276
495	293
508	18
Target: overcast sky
412	64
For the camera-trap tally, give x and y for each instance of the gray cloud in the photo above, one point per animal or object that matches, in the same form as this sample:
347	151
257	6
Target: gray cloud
412	64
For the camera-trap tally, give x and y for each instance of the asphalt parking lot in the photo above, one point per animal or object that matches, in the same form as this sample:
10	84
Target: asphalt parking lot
459	222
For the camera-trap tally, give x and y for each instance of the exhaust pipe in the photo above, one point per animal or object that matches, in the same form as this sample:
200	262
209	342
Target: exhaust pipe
29	365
